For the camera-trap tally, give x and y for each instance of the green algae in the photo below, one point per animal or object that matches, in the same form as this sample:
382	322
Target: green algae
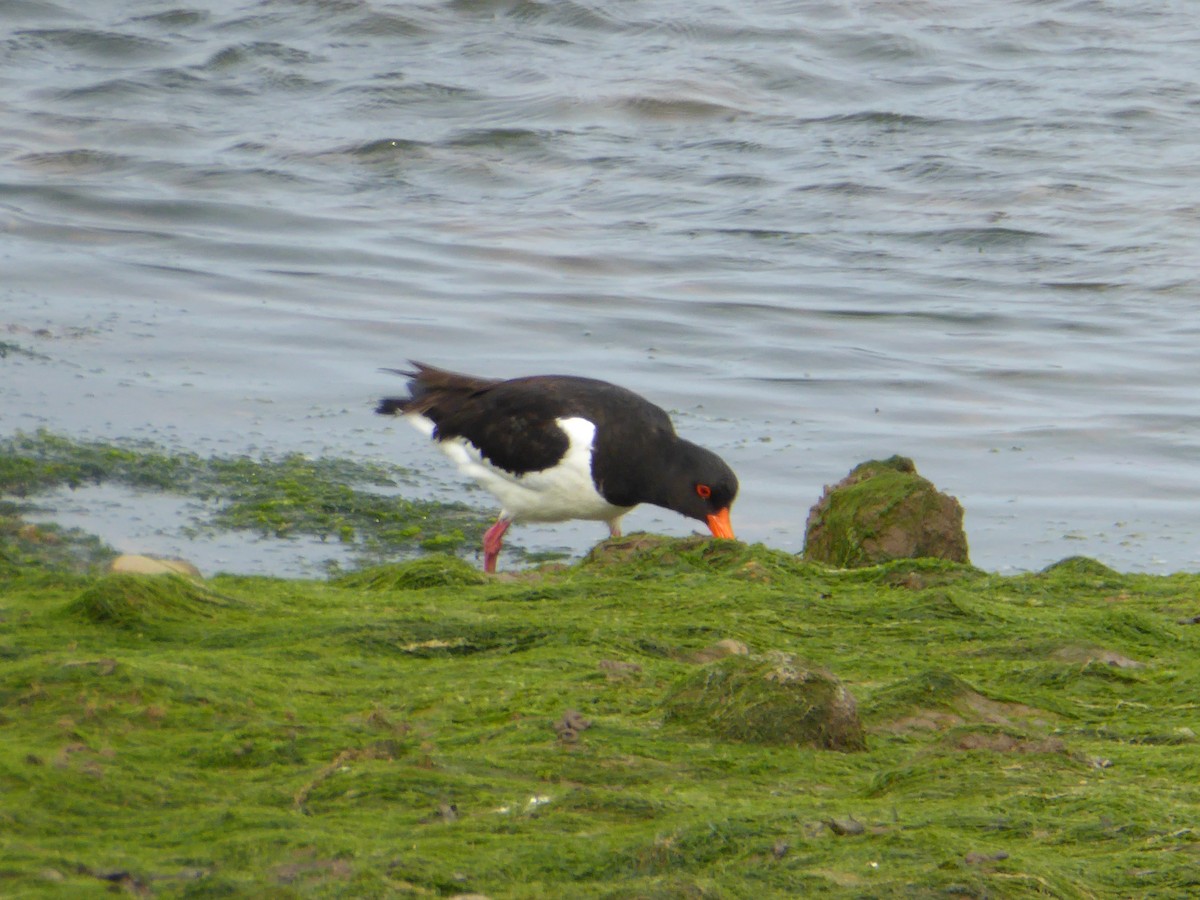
435	570
144	600
396	736
23	545
771	700
352	503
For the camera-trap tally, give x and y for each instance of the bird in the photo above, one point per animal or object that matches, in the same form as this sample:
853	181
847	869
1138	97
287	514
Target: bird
557	447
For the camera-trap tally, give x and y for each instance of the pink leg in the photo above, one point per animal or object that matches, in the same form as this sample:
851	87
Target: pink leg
614	528
493	539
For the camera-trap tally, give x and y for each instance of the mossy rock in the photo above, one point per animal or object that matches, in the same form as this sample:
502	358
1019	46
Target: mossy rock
138	600
1081	565
770	699
884	510
642	555
1086	572
656	552
936	700
932	688
436	570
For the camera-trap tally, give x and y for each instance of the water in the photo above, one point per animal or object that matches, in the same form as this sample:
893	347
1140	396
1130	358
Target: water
816	232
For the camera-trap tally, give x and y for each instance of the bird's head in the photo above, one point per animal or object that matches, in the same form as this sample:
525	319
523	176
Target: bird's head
702	487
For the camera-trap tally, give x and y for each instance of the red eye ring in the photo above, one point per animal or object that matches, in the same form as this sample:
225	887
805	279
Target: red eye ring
703	491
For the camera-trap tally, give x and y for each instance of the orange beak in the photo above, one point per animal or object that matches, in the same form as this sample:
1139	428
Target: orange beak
718	522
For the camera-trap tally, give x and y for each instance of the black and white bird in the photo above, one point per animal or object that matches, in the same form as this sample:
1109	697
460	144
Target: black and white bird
558	447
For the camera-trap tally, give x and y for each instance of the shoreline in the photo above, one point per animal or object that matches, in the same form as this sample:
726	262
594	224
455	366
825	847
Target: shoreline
288	515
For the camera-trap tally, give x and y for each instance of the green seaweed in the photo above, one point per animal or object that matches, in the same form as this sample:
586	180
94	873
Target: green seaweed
772	700
435	570
420	729
353	503
143	600
27	546
400	732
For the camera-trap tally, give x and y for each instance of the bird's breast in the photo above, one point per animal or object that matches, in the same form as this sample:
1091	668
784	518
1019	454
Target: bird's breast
563	490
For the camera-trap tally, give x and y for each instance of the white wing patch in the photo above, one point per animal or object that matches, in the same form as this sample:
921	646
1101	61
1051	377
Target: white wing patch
565	491
423	424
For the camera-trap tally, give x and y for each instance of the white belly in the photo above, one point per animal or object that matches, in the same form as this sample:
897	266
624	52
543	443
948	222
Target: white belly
563	492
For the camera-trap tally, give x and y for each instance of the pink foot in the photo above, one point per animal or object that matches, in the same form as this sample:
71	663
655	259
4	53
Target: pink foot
493	539
614	529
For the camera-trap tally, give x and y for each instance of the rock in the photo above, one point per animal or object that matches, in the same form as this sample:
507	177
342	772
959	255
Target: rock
843	827
569	726
1084	656
719	650
617	670
975	858
884	510
135	564
141	601
769	699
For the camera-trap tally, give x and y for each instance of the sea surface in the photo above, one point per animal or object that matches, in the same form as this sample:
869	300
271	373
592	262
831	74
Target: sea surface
817	232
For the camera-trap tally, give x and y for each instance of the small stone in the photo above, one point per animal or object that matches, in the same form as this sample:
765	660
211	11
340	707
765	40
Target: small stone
845	826
568	727
136	564
975	859
721	649
616	670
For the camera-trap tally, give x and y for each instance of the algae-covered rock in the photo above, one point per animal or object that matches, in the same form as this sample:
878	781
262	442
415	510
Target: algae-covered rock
435	570
1083	566
136	600
770	699
884	510
1085	572
935	700
642	555
657	552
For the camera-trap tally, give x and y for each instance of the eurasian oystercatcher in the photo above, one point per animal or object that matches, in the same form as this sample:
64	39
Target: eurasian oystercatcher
558	447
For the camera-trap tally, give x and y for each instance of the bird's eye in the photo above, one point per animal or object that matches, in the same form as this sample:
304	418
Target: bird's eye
703	491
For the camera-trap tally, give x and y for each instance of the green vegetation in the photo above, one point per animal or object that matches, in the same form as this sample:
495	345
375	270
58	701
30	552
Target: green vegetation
774	699
420	730
7	347
417	730
330	499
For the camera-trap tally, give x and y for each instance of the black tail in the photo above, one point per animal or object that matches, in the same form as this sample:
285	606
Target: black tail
427	387
390	406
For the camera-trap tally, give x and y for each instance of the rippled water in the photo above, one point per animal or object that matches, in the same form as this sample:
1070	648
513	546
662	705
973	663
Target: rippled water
818	232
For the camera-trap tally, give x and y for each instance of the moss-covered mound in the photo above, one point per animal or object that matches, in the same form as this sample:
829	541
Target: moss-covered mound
436	570
774	699
884	510
139	600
